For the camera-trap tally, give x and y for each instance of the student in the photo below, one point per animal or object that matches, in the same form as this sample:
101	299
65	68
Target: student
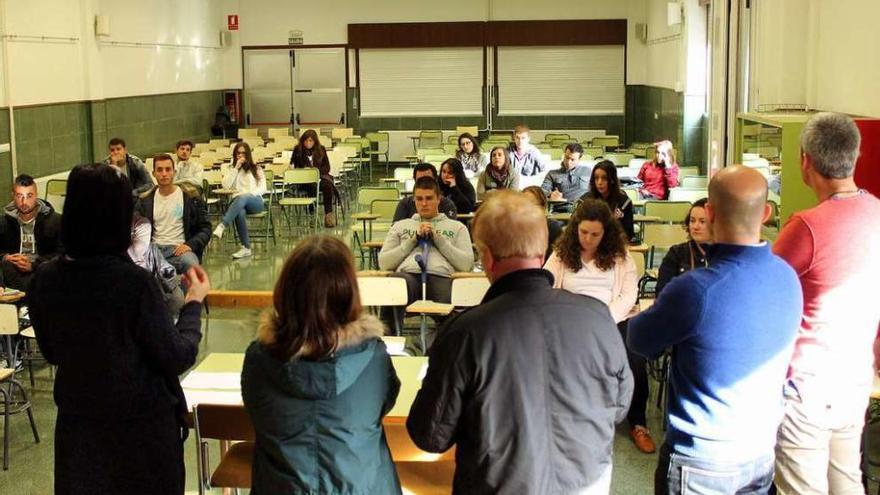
691	254
472	160
659	175
310	153
187	171
528	385
318	381
605	186
249	183
727	370
833	248
456	186
406	207
101	320
499	174
129	165
554	227
570	181
525	159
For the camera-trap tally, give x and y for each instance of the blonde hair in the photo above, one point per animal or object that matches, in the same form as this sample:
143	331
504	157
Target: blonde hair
521	129
510	225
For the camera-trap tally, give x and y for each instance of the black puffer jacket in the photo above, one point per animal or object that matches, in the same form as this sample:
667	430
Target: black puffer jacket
528	386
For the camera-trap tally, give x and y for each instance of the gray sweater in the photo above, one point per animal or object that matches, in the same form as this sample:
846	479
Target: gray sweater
449	251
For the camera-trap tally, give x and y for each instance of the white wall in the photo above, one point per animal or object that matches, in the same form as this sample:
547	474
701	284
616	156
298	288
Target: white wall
663	64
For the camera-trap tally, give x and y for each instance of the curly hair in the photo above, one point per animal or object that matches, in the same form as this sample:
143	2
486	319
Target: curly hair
612	247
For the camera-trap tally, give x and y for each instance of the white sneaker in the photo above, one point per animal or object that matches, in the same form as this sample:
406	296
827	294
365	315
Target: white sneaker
242	253
218	232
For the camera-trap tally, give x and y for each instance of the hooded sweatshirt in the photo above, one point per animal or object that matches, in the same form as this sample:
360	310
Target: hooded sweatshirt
318	424
40	238
449	250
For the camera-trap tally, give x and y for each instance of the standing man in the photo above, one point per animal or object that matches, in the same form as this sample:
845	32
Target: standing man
179	217
525	158
529	384
130	166
833	247
187	171
569	182
30	234
731	328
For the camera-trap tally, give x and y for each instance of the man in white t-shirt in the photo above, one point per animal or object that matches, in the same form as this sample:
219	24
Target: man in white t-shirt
187	170
179	217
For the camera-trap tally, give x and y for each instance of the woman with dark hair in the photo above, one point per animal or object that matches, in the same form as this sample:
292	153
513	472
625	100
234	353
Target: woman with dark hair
318	380
554	227
604	185
691	254
101	320
456	186
310	153
469	154
499	174
248	181
591	258
659	175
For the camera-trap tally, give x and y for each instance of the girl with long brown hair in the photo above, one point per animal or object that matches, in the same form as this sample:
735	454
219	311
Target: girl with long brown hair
311	153
248	181
499	174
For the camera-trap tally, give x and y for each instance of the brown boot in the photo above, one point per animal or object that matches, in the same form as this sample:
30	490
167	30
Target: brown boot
330	220
642	438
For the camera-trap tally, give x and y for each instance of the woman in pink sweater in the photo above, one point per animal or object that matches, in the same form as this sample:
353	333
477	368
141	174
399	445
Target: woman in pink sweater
661	174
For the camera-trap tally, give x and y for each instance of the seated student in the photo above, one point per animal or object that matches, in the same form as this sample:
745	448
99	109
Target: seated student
310	153
659	175
406	208
691	254
591	259
569	182
130	166
318	380
442	244
554	227
525	158
499	174
248	181
30	234
605	186
469	154
186	170
178	215
456	186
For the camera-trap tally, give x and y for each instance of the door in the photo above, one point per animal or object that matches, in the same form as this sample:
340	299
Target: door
319	86
267	87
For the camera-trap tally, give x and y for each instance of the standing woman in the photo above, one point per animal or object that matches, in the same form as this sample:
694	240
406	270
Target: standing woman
499	174
309	153
248	181
469	154
691	254
100	318
660	174
455	185
318	381
605	186
591	258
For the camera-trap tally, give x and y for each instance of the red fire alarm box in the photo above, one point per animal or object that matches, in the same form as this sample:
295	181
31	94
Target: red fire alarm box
232	22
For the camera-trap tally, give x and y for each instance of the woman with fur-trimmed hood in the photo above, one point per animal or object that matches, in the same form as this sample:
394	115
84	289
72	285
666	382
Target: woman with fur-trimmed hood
318	380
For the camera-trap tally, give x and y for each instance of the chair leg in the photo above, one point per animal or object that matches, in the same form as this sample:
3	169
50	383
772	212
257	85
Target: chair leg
7	405
30	410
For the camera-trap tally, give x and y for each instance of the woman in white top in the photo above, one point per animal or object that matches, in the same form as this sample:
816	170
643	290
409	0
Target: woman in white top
249	183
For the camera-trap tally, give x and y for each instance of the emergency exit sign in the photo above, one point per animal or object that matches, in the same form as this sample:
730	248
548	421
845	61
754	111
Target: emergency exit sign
232	22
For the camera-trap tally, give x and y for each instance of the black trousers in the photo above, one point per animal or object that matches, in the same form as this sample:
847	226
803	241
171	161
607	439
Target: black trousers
14	278
639	366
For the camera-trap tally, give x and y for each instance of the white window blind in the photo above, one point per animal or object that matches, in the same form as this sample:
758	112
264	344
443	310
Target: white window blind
421	81
563	80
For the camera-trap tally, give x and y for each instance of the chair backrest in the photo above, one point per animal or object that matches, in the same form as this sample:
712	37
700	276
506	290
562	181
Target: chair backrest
275	132
224	153
668	211
469	291
694	181
296	176
222	422
594	151
254	142
556	153
639	258
218	143
8	319
285	142
632	194
605	141
341	133
366	195
278	170
436	159
382	291
385	208
450	148
430	139
56	191
213	177
560	142
403	173
381	139
470	129
347	149
208	158
685	171
689	194
244	133
619	159
200	148
550	136
663	235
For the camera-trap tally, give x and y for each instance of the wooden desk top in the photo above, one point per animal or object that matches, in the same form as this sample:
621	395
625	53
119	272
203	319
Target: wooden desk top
430	308
468	275
12	298
365	216
465	215
646	218
374	273
639	248
373	244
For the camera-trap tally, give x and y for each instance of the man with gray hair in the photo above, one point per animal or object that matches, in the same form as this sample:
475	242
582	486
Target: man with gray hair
833	248
529	384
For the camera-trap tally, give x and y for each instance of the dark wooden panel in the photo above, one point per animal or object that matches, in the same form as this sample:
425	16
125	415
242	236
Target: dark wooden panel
555	33
416	34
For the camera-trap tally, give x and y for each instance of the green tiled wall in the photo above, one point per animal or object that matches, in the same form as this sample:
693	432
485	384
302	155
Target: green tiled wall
52	138
655	113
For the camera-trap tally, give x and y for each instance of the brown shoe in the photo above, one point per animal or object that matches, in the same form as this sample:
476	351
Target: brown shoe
642	438
330	220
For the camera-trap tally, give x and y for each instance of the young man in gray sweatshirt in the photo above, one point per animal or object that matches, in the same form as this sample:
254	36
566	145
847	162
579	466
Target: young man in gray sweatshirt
430	238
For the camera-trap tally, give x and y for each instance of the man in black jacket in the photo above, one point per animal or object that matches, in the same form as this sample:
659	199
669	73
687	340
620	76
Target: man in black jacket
30	234
178	215
530	384
130	166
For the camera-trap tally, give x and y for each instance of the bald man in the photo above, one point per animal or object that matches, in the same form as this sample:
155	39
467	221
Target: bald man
731	328
529	384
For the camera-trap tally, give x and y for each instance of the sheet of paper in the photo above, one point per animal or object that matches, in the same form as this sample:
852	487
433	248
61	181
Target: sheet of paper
212	381
194	397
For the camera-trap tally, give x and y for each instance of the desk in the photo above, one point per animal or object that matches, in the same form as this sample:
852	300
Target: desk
639	248
425	308
465	216
366	217
374	247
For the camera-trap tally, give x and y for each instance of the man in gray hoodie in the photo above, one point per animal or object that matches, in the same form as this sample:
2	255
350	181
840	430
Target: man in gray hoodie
430	239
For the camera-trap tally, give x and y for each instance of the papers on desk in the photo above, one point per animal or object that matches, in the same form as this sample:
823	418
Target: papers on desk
194	397
212	381
395	345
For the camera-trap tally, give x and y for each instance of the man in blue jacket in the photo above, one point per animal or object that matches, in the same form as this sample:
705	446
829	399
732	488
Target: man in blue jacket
731	328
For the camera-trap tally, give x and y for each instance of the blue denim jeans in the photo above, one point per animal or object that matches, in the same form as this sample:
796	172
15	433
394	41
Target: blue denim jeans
241	206
180	263
679	474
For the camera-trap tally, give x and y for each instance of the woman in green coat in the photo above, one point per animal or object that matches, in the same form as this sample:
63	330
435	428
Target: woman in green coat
317	382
